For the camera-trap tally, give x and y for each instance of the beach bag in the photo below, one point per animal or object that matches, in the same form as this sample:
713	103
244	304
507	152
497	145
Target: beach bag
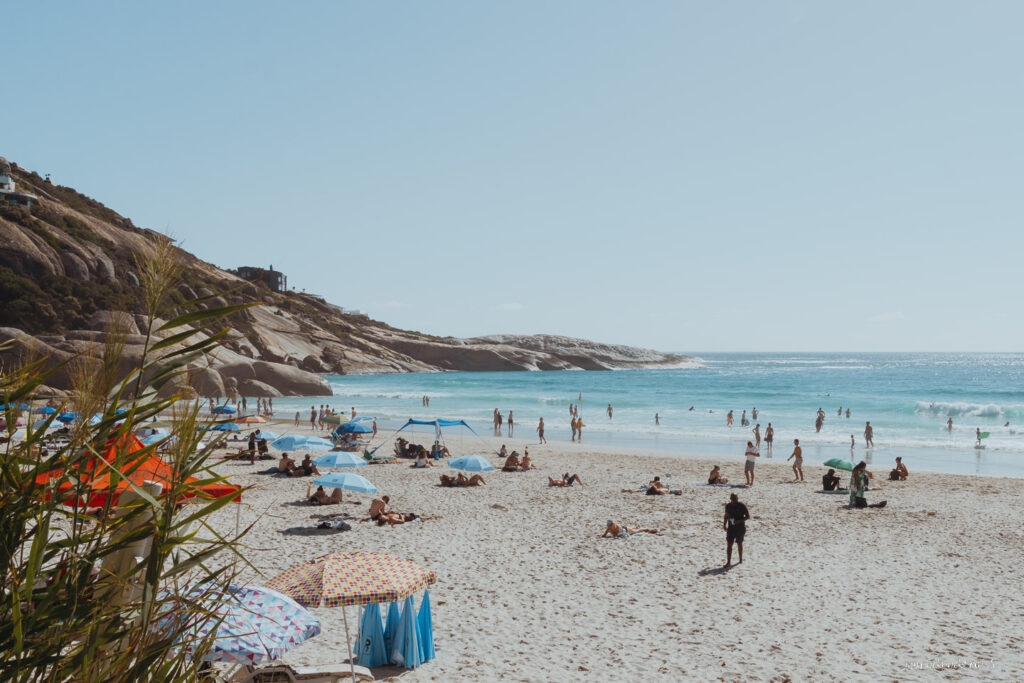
894	475
860	502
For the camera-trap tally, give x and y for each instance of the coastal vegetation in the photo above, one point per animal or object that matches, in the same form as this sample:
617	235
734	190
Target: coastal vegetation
105	574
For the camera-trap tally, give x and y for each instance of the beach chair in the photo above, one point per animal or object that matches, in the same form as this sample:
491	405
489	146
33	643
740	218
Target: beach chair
284	673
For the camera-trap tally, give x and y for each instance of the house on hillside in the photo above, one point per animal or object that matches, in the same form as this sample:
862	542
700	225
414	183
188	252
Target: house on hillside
7	190
275	280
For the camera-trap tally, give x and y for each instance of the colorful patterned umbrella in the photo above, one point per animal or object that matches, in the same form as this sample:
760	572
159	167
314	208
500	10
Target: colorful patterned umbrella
256	624
352	579
251	419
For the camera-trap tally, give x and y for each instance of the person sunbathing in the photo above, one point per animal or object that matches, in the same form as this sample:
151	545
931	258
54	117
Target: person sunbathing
307	467
716	477
616	531
830	482
656	488
566	480
511	463
320	497
286	465
475	480
379	506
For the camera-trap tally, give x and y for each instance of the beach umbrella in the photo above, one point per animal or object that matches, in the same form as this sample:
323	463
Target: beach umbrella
20	406
68	418
370	648
46	410
223	410
251	419
152	439
227	427
346	481
424	622
839	464
346	578
471	463
268	435
405	650
253	624
353	427
297	442
340	460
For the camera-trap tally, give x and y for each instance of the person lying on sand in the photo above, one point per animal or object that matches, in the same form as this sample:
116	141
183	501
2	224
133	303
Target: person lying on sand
566	480
616	531
461	480
511	463
320	497
716	477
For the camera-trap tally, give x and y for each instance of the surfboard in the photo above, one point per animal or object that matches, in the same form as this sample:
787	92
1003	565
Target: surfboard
979	447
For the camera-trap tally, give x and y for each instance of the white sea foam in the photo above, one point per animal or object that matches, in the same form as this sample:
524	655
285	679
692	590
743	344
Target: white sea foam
964	409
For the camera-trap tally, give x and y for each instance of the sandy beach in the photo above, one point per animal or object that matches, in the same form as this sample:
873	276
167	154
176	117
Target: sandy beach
926	588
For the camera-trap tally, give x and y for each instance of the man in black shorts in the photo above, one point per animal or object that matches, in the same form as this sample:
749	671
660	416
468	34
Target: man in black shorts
735	526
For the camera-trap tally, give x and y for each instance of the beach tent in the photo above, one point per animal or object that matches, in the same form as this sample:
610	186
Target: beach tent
95	476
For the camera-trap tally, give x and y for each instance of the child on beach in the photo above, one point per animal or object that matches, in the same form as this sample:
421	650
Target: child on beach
798	461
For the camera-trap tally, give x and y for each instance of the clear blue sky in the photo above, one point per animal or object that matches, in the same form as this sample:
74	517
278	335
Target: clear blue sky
685	176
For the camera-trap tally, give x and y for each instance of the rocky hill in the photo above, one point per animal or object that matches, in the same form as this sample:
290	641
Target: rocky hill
67	262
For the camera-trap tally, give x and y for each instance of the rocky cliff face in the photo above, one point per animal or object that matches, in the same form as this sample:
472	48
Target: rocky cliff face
68	262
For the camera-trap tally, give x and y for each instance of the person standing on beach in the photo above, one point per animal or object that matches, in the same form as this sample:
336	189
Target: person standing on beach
869	435
735	526
375	427
748	468
572	423
656	420
949	425
728	419
798	461
353	413
609	411
271	407
496	432
312	417
853	442
769	436
753	414
743	419
977	434
847	413
579	428
757	436
510	424
540	431
297	415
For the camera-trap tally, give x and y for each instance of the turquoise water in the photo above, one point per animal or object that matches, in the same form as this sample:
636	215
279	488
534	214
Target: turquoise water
907	397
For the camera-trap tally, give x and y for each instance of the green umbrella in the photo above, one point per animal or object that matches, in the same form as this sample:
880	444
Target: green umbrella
839	464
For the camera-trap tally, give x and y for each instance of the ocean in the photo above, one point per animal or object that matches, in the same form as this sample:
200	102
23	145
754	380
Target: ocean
907	397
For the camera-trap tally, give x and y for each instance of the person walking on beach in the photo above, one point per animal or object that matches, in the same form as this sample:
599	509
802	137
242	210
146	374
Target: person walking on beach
977	434
297	415
374	427
312	417
869	435
769	436
798	461
748	468
853	442
757	436
510	425
540	431
496	432
728	419
743	420
735	526
609	411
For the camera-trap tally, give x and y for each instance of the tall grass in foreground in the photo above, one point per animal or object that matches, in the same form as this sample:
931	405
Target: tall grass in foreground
99	597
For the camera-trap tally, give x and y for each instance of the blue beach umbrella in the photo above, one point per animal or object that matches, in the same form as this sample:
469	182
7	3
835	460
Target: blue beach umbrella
471	463
405	650
297	442
227	427
20	406
340	460
268	435
46	410
346	481
68	418
391	627
425	626
370	649
353	427
223	410
152	439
